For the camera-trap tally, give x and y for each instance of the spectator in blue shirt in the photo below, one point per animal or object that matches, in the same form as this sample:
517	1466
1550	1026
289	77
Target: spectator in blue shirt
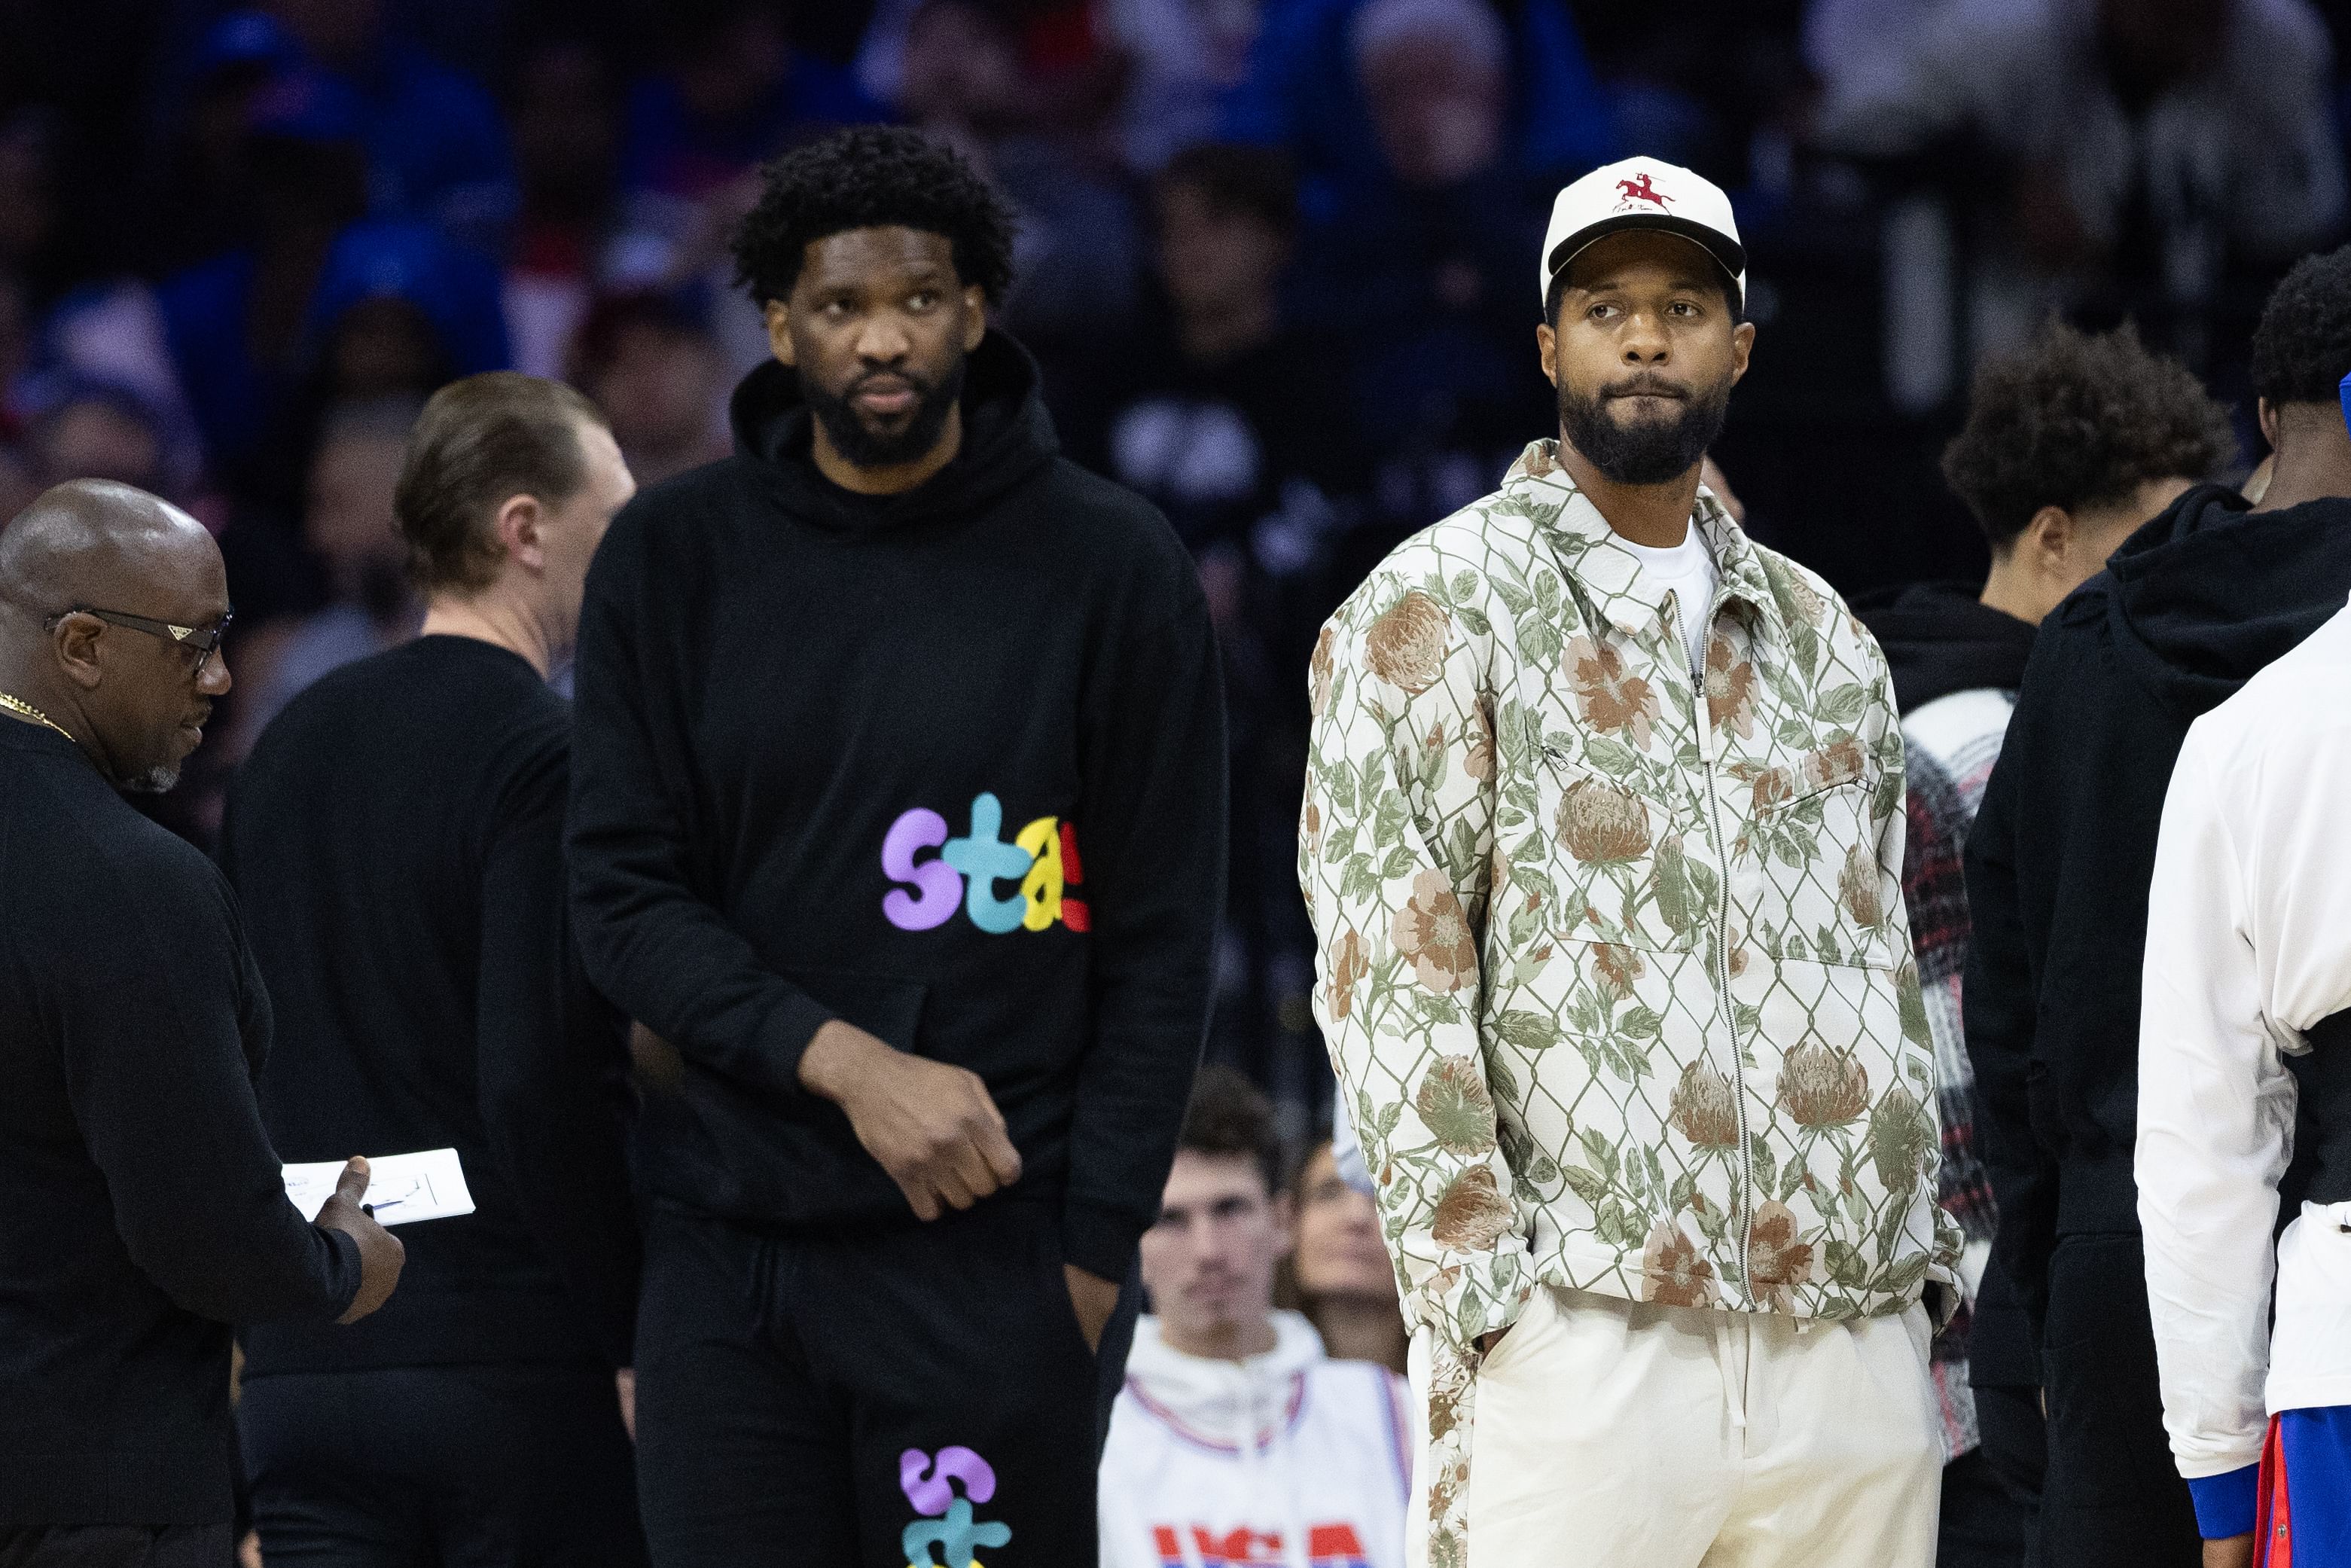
251	327
435	144
731	91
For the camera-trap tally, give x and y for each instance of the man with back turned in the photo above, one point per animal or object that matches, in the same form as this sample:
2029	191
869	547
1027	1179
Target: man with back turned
398	837
141	1208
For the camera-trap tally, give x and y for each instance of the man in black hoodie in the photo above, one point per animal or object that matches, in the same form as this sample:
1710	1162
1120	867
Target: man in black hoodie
898	813
2071	443
2057	871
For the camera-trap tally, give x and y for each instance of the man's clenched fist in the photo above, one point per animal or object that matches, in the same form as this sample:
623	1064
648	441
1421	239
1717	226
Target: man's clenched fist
930	1124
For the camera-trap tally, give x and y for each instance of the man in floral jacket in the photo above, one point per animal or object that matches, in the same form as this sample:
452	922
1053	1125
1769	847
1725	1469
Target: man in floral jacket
1602	840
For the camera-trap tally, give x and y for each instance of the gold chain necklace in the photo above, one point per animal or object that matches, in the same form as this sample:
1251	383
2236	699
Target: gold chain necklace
19	704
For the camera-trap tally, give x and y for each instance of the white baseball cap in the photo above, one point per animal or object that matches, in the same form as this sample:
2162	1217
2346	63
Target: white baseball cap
1643	194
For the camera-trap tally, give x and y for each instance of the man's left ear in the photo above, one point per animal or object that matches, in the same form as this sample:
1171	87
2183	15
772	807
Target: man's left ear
779	317
975	325
522	530
1285	1222
1743	345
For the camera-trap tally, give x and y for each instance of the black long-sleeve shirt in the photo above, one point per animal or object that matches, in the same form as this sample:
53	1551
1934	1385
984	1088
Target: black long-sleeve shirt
947	765
397	842
141	1209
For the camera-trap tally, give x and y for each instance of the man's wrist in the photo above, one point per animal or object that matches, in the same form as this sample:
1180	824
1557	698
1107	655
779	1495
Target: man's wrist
836	1056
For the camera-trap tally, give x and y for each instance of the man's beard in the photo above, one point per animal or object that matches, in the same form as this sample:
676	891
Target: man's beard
1648	451
863	447
159	779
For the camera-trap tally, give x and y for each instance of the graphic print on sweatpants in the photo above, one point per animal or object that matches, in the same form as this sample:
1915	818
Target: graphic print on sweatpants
915	1395
947	1523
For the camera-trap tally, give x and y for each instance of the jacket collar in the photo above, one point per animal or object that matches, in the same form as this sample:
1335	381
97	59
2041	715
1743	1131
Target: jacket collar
1611	573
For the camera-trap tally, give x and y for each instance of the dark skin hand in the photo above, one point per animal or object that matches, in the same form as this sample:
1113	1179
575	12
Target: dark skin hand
934	1127
2231	1552
380	1253
930	1124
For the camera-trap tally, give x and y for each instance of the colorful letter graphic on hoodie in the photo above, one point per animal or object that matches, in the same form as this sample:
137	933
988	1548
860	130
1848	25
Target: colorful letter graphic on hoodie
947	1524
1042	859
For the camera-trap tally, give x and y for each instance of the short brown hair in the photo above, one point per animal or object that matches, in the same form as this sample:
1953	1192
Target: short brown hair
480	442
1230	1118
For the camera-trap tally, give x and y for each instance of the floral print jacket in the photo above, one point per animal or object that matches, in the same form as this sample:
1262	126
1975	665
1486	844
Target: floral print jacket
1614	966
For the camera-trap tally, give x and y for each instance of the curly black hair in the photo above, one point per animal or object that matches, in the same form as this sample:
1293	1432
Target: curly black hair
1230	1118
2077	420
872	176
2301	349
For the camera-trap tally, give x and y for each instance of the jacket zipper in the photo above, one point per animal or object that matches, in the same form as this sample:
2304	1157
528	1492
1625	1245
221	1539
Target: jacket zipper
1742	1212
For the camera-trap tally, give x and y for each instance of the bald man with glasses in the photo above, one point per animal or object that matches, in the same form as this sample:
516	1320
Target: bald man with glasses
141	1210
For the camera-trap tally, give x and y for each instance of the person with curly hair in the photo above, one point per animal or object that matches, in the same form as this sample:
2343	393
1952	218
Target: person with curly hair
2058	865
2071	445
898	821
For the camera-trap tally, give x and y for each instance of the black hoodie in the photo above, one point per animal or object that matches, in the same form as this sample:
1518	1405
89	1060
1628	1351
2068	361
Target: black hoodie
2190	607
1940	639
948	765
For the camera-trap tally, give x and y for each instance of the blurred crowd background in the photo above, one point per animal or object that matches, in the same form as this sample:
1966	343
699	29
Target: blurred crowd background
1278	259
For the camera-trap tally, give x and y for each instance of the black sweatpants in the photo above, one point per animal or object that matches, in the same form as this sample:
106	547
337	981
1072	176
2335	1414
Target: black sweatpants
441	1466
920	1394
2111	1494
1983	1524
118	1546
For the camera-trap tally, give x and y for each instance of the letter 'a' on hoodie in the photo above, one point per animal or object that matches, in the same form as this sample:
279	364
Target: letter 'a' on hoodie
1287	1458
947	765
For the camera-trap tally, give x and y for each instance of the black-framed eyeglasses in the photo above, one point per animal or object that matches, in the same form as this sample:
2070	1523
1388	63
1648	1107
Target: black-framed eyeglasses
204	640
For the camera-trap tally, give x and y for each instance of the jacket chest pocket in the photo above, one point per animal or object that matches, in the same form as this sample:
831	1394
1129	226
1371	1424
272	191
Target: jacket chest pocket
1808	881
1620	860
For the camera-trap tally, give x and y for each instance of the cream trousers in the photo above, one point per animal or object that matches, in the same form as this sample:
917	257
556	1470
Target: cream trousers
1610	1433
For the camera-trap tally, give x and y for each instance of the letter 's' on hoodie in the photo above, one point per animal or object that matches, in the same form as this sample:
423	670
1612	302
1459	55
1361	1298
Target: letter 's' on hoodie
948	765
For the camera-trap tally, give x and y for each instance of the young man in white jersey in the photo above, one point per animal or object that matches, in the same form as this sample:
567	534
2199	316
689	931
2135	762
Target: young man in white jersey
1236	1442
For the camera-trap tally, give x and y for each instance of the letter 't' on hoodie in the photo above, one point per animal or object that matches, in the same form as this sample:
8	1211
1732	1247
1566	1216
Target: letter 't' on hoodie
948	765
1287	1458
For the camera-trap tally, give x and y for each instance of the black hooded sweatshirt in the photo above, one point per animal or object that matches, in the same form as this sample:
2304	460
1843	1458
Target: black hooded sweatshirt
1940	638
2189	608
947	765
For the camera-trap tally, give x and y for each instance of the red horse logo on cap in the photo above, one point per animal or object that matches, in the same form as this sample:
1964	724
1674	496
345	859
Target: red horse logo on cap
1638	189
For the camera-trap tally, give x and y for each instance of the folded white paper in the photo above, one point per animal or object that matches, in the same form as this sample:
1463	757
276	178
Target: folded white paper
429	1184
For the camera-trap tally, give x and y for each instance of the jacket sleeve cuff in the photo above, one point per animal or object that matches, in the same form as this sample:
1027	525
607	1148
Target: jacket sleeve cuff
349	1270
1098	1239
784	1038
2226	1503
